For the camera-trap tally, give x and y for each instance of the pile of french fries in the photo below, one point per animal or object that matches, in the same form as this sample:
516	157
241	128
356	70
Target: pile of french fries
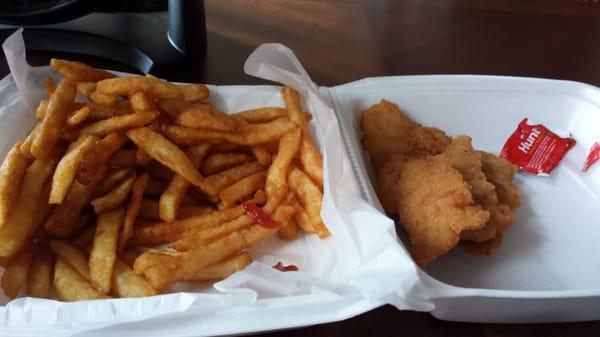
129	184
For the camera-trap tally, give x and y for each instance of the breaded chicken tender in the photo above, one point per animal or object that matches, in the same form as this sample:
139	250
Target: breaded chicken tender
443	190
467	161
435	206
501	172
387	180
484	248
388	131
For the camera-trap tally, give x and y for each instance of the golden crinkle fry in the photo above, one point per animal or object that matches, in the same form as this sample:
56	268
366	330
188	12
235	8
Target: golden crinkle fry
144	184
444	191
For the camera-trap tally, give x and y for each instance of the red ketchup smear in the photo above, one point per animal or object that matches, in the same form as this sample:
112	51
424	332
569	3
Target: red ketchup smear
279	266
535	149
260	216
592	157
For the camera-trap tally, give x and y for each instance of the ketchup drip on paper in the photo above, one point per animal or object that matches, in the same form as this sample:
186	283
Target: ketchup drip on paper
281	267
535	149
260	216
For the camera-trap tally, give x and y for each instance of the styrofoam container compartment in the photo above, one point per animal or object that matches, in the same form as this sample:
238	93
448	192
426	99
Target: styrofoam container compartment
547	268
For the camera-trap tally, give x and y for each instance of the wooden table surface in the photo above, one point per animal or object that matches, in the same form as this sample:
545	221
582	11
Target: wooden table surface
346	40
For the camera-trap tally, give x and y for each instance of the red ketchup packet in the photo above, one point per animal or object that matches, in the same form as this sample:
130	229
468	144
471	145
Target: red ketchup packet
281	267
592	157
535	149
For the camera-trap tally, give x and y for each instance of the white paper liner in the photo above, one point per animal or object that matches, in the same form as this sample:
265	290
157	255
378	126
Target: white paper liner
358	268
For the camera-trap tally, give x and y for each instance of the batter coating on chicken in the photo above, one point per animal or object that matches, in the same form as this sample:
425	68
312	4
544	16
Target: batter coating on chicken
435	205
501	172
388	131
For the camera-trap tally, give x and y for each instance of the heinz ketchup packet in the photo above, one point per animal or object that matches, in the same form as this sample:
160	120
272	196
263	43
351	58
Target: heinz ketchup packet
536	149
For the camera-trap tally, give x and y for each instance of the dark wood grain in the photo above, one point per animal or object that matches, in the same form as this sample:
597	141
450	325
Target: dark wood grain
340	41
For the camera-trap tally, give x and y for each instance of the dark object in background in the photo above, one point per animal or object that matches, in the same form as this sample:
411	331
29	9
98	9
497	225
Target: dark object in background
136	33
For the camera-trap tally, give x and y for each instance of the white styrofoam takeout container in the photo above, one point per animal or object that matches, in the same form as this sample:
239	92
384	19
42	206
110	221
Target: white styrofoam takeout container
358	268
546	270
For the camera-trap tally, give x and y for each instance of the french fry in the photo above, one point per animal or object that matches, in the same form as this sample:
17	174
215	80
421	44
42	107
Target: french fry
102	99
95	158
104	249
261	153
79	72
140	101
173	107
86	88
43	207
242	188
219	162
165	152
171	231
40	274
184	266
142	157
253	134
12	173
189	211
149	210
71	286
202	116
20	225
40	111
110	180
118	123
62	219
25	147
114	198
150	258
16	273
204	236
67	167
276	186
215	183
78	116
48	133
223	269
123	158
49	85
137	195
310	197
194	92
71	255
302	219
261	115
172	197
127	86
126	283
99	112
310	157
288	231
